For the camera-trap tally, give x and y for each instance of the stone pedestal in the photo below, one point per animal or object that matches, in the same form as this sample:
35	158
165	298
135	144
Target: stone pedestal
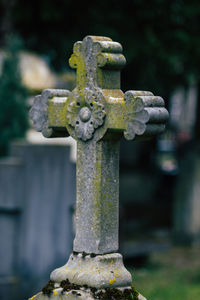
87	276
101	271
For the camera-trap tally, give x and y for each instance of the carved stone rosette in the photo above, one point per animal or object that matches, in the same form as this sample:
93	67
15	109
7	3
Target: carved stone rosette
85	112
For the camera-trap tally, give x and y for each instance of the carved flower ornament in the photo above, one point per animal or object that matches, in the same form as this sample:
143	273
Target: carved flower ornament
85	113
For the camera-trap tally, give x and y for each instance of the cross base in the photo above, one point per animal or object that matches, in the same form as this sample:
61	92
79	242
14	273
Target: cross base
87	276
84	294
100	271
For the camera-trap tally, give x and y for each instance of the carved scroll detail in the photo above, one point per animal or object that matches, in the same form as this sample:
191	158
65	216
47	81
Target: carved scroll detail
145	114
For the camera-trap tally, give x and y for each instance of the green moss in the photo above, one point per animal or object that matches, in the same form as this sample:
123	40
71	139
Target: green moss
48	288
77	61
116	294
108	293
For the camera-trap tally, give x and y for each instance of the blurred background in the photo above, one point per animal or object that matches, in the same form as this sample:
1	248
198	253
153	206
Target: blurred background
159	179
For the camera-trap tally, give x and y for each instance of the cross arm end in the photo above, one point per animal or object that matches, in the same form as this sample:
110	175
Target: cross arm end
47	113
146	115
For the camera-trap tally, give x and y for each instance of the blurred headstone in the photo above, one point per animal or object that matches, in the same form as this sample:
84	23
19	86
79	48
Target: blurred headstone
37	75
186	209
11	201
37	194
186	214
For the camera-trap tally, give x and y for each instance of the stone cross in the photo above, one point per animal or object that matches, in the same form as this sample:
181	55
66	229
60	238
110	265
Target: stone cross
97	114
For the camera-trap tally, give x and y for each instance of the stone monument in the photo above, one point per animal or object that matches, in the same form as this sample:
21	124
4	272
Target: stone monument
96	114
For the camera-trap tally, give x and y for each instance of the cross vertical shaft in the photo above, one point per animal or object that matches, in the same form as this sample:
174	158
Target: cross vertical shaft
97	204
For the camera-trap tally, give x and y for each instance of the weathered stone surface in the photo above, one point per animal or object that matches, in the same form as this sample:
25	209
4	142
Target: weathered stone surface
148	115
97	113
40	111
84	113
97	105
97	204
101	271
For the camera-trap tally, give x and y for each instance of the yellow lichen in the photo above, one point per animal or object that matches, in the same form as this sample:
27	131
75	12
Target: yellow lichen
111	281
116	272
32	298
55	292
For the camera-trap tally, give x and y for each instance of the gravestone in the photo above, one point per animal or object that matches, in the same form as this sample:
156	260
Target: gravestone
30	219
97	114
186	214
11	195
46	219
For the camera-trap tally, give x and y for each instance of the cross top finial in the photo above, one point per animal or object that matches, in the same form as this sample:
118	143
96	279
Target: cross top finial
95	59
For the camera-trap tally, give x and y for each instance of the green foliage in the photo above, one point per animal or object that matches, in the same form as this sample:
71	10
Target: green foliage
13	113
171	275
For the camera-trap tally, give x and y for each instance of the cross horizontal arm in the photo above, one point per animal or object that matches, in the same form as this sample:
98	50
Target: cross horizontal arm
138	114
48	113
57	108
